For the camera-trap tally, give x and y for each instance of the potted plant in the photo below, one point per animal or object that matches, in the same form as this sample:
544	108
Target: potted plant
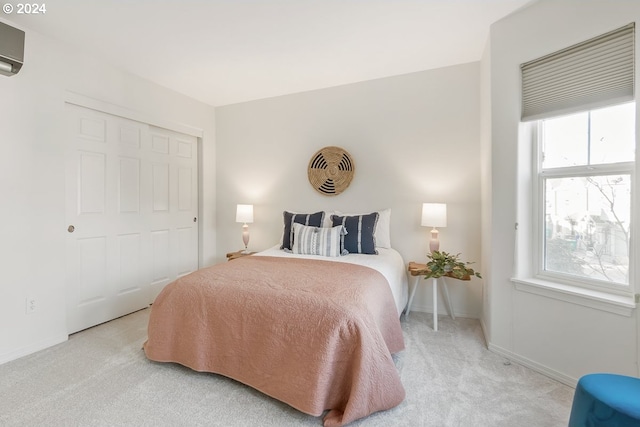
445	264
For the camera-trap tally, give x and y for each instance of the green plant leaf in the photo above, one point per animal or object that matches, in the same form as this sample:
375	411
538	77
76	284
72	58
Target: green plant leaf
445	264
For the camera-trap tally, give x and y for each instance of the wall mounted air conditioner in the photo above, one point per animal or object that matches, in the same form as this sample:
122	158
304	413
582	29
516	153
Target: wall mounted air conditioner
11	49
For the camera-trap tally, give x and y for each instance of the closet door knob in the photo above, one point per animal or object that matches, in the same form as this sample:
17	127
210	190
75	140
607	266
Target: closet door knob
71	229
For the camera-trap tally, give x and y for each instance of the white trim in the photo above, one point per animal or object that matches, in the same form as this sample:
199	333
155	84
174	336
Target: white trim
616	304
32	348
542	369
619	168
528	363
442	311
116	110
539	224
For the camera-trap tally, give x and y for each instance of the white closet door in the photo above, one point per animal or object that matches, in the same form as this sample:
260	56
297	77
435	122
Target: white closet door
174	206
111	244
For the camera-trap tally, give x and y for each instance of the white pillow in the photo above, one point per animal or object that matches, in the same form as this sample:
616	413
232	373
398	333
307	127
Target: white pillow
382	233
322	241
383	229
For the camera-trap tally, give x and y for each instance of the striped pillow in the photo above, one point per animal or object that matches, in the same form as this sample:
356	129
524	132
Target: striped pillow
316	240
359	237
290	218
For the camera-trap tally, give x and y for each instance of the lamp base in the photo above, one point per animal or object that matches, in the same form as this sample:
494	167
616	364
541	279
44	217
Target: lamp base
434	243
245	238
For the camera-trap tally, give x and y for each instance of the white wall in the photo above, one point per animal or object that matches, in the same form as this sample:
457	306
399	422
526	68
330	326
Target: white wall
32	208
563	339
414	138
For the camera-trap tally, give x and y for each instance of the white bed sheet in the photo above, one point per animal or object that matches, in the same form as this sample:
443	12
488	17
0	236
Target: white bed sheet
388	262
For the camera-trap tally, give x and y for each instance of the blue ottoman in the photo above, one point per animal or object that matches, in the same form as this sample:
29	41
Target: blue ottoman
606	400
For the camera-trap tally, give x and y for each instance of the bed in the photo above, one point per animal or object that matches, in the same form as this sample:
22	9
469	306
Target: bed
312	331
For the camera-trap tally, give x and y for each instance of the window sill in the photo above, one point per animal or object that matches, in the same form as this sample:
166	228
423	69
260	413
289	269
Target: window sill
617	304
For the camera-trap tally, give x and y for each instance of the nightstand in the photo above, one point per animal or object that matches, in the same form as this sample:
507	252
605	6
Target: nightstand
238	254
418	271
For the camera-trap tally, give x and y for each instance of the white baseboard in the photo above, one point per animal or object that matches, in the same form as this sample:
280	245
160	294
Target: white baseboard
542	369
25	351
442	311
513	357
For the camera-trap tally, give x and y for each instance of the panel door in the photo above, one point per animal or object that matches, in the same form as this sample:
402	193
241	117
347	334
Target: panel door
174	206
110	244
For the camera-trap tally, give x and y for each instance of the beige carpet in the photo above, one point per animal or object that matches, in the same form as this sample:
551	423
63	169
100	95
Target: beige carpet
100	377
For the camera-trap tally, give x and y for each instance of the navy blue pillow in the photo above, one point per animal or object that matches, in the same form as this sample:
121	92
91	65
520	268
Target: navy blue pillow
314	220
359	238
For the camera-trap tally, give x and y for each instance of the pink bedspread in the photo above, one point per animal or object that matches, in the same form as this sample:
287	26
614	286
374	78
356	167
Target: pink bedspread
317	335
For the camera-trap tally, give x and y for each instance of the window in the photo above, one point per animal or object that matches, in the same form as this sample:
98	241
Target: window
579	104
584	175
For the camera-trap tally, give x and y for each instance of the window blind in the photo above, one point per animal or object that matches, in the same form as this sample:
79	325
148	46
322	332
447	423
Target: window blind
590	74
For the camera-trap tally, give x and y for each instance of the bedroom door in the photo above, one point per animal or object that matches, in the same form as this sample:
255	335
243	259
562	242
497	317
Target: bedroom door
131	210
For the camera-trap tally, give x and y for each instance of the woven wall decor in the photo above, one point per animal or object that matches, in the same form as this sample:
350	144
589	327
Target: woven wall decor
331	170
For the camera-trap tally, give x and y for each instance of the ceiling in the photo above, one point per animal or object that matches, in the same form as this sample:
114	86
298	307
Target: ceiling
228	51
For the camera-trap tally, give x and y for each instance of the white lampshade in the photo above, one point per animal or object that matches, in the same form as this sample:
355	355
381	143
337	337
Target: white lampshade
244	214
434	214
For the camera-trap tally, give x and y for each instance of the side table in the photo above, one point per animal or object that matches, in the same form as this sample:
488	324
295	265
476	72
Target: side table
418	271
238	254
